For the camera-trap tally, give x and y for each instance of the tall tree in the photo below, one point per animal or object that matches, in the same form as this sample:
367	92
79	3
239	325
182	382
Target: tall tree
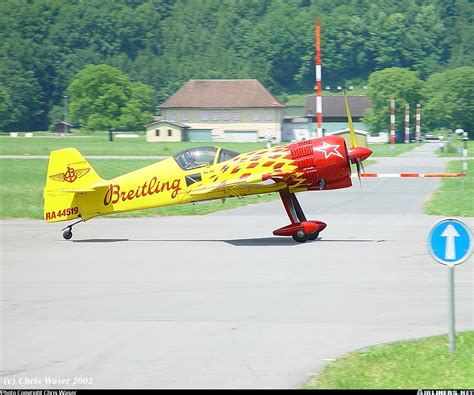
449	100
5	106
458	17
403	84
24	95
103	98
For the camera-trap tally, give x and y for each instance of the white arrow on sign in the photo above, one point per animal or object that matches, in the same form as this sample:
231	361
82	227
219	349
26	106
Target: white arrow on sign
450	233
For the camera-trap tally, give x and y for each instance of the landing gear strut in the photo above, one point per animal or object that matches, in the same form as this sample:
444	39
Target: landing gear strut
67	231
300	228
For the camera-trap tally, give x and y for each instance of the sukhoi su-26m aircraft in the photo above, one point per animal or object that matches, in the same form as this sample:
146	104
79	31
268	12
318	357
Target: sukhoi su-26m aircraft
74	189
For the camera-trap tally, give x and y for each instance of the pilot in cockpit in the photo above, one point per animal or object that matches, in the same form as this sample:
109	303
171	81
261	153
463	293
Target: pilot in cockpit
190	160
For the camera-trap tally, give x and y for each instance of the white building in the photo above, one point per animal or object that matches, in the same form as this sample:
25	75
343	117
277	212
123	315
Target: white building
220	110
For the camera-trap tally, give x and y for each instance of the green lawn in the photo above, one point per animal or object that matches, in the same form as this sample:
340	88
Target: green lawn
95	146
456	195
99	145
22	182
388	150
451	149
424	363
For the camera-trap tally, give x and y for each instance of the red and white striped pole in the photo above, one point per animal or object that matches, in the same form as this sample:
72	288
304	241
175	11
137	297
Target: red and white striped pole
408	175
407	124
319	98
464	153
392	121
418	123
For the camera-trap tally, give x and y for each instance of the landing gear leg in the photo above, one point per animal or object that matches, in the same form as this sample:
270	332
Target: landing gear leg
300	228
67	231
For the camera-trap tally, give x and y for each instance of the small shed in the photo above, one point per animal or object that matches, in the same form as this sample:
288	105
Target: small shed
62	127
295	129
164	130
361	136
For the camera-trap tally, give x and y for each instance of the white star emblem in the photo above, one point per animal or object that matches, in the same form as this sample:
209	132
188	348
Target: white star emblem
329	149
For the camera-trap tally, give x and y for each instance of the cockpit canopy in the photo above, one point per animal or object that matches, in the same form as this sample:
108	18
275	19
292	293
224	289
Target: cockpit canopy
195	157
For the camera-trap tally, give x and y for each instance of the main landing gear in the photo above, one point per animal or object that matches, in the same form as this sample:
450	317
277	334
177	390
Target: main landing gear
300	228
67	231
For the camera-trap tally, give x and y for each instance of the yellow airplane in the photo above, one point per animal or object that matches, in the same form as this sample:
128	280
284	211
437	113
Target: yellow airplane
74	189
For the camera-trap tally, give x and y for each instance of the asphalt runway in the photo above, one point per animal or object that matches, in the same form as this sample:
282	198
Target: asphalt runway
216	301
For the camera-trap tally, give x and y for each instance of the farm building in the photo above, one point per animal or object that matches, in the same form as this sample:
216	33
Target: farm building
220	110
302	125
361	136
334	112
161	130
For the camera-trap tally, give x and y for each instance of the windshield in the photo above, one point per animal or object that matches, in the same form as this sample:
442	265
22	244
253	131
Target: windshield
226	154
192	158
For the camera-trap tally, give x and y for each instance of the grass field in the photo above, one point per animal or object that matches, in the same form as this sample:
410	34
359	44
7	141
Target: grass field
424	363
98	146
22	182
385	150
451	149
456	195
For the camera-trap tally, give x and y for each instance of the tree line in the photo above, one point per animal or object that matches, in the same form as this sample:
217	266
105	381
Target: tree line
446	98
163	43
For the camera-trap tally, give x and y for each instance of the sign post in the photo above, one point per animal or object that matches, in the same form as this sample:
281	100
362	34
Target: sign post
451	311
450	243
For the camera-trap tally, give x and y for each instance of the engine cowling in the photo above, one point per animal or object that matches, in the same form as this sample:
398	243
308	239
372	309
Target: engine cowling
324	162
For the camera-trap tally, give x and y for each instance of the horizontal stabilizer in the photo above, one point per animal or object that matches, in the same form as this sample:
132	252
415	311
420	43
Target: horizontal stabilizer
85	189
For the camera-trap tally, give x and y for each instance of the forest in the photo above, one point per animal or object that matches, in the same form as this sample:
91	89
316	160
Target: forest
163	43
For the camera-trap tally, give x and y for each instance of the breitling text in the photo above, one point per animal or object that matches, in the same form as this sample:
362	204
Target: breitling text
114	194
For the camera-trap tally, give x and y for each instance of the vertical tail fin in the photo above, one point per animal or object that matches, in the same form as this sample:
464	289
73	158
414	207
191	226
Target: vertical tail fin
69	176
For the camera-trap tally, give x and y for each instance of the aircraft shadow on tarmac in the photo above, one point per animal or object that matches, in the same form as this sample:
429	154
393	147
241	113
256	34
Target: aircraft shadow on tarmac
99	240
286	241
257	242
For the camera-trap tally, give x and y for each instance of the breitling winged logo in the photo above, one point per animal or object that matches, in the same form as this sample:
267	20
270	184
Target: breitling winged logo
70	175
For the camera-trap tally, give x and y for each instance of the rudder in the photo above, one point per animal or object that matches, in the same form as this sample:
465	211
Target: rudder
69	174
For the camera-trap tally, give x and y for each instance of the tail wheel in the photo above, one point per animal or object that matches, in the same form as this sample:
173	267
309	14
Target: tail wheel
67	234
300	237
67	231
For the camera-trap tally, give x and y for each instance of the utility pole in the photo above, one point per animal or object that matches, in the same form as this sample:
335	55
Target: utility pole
392	122
418	123
65	114
319	96
407	124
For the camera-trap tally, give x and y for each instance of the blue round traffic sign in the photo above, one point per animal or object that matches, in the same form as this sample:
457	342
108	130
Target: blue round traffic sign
450	242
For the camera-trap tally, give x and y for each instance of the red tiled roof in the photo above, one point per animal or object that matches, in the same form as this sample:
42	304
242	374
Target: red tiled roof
333	106
222	94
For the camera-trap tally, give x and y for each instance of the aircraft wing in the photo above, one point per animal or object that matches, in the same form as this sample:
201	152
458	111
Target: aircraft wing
253	181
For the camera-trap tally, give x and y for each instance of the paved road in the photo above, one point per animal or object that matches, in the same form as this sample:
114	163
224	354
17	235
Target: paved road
215	301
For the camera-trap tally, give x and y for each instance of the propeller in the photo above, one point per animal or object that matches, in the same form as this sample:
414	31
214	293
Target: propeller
356	154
